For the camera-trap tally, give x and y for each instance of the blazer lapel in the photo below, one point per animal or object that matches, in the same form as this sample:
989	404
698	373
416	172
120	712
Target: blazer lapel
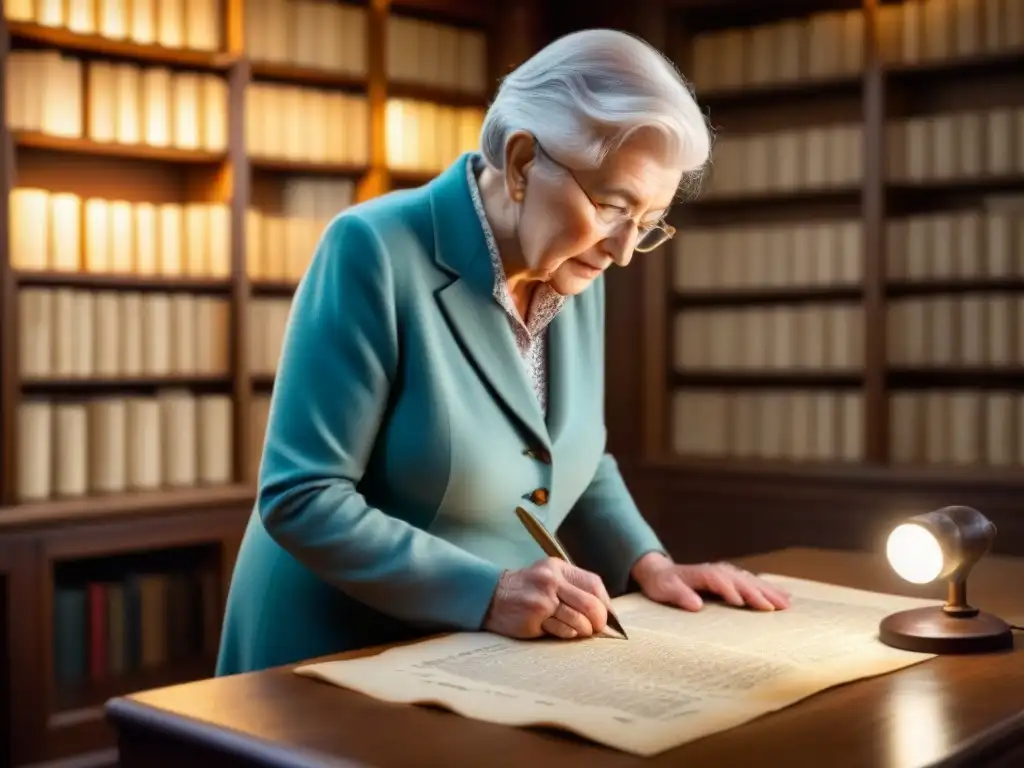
477	320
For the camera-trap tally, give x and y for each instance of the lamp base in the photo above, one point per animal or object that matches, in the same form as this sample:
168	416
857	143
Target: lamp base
933	630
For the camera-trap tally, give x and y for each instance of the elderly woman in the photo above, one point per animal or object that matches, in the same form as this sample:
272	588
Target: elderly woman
443	364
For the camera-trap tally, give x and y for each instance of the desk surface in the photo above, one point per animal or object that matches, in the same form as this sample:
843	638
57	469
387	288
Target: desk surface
946	711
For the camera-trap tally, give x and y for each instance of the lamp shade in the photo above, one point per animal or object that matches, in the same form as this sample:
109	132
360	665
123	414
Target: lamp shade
944	544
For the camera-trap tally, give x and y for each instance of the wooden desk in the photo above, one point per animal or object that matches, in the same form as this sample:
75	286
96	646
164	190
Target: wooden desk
949	711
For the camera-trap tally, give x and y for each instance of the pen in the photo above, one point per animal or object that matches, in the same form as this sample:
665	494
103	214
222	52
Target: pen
552	548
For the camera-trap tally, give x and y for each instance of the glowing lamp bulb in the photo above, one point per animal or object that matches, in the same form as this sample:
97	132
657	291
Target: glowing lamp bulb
914	553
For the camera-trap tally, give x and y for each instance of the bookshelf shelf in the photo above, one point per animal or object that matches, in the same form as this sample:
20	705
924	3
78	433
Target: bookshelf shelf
311	76
46	514
767	202
978	185
306	167
768	378
411	178
979	65
73	705
138	256
81	146
761	94
742	297
122	282
927	287
435	94
947	377
66	40
84	386
273	288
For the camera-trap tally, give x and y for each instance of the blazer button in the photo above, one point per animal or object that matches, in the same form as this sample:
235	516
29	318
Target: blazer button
538	497
539	454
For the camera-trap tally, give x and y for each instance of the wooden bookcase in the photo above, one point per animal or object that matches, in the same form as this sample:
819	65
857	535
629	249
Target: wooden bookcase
69	542
878	288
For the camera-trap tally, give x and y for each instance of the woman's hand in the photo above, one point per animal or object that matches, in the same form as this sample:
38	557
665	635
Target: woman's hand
663	581
550	597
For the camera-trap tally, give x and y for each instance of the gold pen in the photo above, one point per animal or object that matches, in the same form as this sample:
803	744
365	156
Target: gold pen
552	548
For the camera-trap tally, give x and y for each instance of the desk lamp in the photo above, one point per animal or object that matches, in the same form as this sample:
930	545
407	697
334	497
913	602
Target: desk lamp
944	544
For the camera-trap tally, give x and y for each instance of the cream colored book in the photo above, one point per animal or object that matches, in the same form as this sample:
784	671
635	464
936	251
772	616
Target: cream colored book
179	429
214	93
128	127
203	24
1000	428
216	439
197	239
185	110
185	329
142	21
29	211
65	232
19	10
82	311
71	450
97	236
132	332
155	106
108	334
157	335
170	242
218	251
35	450
108	448
144	229
112	18
36	332
122	237
170	23
102	89
145	444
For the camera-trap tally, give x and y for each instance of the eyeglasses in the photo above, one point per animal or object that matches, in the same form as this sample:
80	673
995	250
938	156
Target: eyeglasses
649	235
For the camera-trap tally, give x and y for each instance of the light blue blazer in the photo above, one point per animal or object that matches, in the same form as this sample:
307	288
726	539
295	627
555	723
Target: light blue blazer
404	431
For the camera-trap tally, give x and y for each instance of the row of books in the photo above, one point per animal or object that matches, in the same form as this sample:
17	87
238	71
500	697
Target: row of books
794	49
280	248
916	31
956	427
60	232
804	158
439	55
425	137
129	104
979	329
811	426
268	319
116	625
289	122
173	439
749	256
190	24
784	337
956	145
280	239
71	333
306	33
116	102
972	243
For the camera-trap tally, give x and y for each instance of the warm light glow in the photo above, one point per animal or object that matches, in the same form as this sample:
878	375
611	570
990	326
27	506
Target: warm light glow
914	553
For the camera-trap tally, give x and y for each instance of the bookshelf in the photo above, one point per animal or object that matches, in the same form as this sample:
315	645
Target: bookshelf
169	166
831	341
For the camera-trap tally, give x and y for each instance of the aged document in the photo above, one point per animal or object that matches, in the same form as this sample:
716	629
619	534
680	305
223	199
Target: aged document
679	677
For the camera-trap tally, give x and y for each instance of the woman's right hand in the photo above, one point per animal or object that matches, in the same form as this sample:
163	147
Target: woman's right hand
549	597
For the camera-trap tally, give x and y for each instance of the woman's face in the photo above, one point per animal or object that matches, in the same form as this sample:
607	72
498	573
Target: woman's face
574	224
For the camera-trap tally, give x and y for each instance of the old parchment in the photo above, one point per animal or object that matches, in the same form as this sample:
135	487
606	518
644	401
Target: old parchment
679	677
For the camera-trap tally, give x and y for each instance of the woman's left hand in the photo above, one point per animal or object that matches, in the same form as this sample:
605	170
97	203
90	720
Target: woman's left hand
663	581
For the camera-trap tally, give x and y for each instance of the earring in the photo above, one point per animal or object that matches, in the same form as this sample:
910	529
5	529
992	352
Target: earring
517	195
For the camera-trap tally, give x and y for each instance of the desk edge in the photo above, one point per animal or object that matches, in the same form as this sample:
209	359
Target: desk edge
127	715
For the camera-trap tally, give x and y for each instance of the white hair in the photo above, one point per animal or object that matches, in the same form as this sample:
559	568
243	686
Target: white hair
586	93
